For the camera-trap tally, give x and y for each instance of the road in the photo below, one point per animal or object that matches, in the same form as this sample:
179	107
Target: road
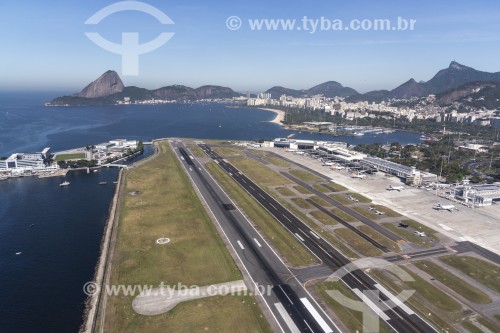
400	318
289	302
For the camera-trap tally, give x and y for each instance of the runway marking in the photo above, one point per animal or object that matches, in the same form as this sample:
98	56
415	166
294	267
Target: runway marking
326	252
241	245
216	161
316	315
298	236
371	305
256	241
314	234
230	174
394	299
273	206
286	317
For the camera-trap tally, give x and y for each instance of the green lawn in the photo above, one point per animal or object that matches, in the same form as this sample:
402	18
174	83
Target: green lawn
363	210
320	201
406	234
302	203
471	327
321	188
301	190
259	173
277	161
337	187
454	282
65	157
287	245
305	176
379	238
197	151
285	191
323	217
341	198
228	152
360	197
482	271
343	215
358	243
387	211
169	207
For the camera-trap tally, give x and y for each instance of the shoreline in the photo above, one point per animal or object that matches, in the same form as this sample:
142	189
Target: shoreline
95	303
280	116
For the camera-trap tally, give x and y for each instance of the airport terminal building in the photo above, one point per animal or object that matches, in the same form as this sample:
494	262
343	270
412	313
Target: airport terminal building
479	195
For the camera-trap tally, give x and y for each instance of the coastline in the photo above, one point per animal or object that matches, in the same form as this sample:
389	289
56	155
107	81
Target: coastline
96	302
280	116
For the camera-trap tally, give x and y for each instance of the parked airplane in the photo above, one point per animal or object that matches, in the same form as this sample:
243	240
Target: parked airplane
420	234
299	153
395	188
378	212
358	176
403	225
338	167
352	198
328	163
449	208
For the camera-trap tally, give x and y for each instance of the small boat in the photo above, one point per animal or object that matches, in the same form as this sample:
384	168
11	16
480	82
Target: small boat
95	170
66	183
220	125
18	253
115	182
103	183
32	225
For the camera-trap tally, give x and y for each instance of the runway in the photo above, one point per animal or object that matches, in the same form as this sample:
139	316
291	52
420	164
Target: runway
293	309
400	318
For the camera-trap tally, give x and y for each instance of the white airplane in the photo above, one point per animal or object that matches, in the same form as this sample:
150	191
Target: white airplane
328	163
299	153
395	188
352	198
378	212
449	208
358	176
420	234
338	167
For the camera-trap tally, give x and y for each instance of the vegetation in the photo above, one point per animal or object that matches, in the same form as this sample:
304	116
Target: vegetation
406	234
301	189
379	238
197	151
387	211
259	173
277	161
482	271
320	201
337	187
323	217
360	197
367	213
302	203
341	198
322	188
228	151
285	191
64	157
454	282
305	176
343	215
290	249
196	250
358	243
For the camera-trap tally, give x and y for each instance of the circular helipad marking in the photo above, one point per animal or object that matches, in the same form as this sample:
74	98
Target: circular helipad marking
163	241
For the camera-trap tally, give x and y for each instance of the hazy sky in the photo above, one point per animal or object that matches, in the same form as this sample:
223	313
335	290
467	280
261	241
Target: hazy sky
43	46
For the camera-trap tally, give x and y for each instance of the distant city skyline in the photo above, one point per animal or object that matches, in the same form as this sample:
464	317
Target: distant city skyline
45	47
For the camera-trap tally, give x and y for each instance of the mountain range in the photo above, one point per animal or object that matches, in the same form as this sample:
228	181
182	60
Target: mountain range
109	88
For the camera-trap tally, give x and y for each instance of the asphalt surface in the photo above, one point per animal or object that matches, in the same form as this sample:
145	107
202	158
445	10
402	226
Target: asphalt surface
400	318
264	267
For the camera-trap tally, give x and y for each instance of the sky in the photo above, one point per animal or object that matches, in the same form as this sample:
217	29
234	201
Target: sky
44	46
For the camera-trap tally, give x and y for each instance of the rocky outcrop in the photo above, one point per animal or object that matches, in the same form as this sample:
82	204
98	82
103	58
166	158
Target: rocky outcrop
107	84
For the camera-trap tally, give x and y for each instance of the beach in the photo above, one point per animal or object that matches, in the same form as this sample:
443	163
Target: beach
280	116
